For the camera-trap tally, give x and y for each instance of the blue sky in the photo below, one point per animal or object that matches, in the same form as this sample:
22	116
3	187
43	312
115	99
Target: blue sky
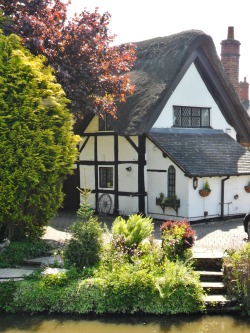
135	20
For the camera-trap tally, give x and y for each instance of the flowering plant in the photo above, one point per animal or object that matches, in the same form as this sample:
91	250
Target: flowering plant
177	238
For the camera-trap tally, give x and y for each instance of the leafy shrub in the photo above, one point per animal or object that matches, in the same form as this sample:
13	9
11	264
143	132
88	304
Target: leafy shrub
128	234
177	238
84	248
18	251
126	289
37	143
236	267
7	291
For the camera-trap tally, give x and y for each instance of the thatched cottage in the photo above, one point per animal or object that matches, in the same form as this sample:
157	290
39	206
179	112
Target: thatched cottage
174	136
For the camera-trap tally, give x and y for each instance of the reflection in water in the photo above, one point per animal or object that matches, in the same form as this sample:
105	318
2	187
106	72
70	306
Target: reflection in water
123	324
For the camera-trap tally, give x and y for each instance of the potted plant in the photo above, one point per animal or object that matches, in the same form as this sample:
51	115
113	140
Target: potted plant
206	190
164	202
247	187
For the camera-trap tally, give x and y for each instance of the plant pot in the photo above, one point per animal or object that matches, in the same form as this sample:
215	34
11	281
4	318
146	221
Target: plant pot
247	188
204	193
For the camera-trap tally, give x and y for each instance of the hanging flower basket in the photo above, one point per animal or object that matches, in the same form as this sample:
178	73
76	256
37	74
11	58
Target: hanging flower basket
247	188
204	193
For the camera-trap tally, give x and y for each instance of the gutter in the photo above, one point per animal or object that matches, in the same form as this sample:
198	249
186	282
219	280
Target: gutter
222	195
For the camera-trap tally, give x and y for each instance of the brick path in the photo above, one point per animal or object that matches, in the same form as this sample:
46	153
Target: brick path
213	238
219	235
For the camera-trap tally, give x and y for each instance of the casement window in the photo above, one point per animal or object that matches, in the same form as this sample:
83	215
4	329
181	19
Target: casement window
188	116
171	181
104	124
106	177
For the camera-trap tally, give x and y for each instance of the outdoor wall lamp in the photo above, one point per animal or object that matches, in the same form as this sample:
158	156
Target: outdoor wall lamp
129	169
195	183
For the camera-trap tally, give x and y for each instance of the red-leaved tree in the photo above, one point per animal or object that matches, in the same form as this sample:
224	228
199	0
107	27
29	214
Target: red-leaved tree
93	74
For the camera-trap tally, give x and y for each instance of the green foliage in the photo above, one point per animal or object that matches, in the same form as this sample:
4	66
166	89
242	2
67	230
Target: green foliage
16	253
85	211
206	186
7	291
131	232
84	248
37	145
236	266
126	289
78	48
177	238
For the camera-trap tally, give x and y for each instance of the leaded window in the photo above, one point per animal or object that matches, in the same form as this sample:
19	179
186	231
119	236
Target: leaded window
187	116
171	181
106	177
104	124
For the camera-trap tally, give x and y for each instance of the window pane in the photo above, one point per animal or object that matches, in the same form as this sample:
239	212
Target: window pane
106	177
101	124
196	122
171	181
205	117
186	111
196	112
108	125
104	124
177	116
186	121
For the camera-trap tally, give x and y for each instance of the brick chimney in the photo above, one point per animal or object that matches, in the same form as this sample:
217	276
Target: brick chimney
230	54
243	90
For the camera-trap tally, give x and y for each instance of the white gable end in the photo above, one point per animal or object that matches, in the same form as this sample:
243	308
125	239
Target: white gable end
191	91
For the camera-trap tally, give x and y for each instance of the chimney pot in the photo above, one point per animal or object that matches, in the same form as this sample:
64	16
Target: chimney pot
230	33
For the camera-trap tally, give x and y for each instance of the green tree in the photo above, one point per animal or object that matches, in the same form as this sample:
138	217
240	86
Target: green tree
92	73
37	145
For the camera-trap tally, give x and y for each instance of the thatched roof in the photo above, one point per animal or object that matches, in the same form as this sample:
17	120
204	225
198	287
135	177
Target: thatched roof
189	149
161	64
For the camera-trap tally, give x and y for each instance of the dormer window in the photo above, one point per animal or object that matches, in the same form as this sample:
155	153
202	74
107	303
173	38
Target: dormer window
104	124
188	116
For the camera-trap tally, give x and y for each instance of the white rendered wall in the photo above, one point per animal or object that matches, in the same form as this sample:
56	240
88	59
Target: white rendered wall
191	91
156	182
192	205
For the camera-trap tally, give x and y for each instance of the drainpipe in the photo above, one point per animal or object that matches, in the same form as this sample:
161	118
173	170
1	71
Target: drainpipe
222	195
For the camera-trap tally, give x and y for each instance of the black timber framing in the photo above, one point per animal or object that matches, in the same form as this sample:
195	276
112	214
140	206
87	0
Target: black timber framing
116	157
141	150
141	178
84	144
106	162
132	143
96	175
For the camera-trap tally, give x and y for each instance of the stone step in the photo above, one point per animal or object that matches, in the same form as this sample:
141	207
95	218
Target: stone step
216	298
213	287
220	304
208	264
15	274
208	260
46	260
210	276
37	261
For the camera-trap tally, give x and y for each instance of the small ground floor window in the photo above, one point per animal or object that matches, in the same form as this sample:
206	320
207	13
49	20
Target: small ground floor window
106	177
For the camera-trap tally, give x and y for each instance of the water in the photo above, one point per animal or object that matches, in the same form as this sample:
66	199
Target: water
123	324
